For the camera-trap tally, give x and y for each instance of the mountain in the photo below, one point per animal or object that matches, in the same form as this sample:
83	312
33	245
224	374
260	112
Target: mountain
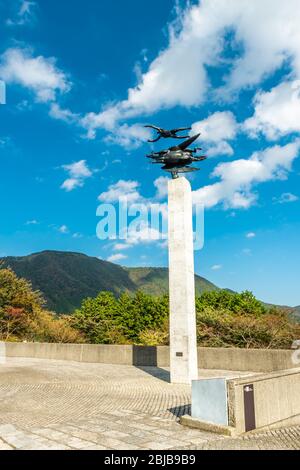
66	278
155	281
296	313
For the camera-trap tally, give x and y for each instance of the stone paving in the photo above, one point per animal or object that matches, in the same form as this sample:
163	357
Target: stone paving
67	405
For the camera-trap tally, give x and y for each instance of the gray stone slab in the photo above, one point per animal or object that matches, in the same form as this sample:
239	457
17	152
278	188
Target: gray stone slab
209	401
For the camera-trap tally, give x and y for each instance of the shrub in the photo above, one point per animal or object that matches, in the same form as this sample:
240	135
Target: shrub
106	319
244	303
223	328
22	316
224	319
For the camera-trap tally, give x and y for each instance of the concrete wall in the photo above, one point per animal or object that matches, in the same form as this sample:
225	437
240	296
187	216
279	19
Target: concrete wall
276	399
256	360
106	354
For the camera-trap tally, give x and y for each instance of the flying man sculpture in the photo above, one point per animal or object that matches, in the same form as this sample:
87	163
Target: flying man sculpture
163	133
178	159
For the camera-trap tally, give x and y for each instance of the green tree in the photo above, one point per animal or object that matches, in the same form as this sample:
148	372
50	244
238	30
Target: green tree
244	303
96	319
22	316
106	319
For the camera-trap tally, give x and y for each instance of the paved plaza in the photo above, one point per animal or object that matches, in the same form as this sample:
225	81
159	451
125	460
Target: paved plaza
68	405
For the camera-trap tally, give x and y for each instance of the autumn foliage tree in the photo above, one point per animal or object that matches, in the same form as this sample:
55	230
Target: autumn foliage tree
23	317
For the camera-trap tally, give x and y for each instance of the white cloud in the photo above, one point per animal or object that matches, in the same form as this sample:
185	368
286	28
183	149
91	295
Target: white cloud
178	75
121	189
56	112
251	235
221	148
32	222
116	257
78	169
121	246
63	229
78	173
105	120
237	178
285	198
129	137
216	267
161	185
129	190
216	130
25	14
217	127
77	235
72	183
277	112
38	74
146	234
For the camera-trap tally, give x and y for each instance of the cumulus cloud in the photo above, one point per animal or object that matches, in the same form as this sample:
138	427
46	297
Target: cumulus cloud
121	246
63	229
130	190
161	185
178	75
285	198
277	112
144	234
237	179
251	235
116	257
200	38
217	127
129	137
38	74
221	148
120	190
216	130
140	231
78	173
56	112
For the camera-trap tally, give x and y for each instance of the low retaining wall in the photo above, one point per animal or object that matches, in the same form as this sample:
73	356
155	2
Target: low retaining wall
249	404
262	401
256	360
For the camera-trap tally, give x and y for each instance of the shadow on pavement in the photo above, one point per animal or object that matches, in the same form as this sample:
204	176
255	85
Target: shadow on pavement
157	372
181	410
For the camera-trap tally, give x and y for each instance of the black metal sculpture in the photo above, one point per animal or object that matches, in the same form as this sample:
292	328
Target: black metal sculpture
177	159
163	133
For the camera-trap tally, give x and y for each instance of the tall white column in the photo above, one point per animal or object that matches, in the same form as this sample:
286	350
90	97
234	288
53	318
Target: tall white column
183	342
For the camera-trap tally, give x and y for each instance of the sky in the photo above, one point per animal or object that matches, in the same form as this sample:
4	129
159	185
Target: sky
84	77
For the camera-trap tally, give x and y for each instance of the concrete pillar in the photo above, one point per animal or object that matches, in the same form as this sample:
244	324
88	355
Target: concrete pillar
183	342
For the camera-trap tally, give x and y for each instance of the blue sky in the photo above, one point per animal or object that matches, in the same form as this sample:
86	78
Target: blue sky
82	79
